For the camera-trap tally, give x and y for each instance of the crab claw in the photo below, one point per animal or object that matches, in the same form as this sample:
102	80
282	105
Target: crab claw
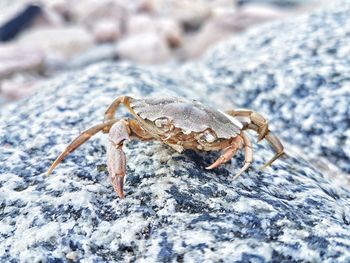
116	160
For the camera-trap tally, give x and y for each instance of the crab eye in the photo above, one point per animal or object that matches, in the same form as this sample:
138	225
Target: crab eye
209	136
161	122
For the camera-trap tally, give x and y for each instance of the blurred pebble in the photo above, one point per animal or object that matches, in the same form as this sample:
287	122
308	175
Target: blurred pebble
143	48
140	23
92	11
98	53
15	58
165	27
191	14
18	86
106	30
61	41
171	31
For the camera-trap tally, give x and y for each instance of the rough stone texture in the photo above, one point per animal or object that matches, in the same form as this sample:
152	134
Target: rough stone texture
175	210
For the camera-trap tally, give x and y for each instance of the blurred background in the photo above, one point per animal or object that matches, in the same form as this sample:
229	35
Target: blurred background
40	39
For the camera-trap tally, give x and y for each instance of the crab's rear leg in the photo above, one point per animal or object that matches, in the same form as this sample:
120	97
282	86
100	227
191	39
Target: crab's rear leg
82	138
254	121
278	147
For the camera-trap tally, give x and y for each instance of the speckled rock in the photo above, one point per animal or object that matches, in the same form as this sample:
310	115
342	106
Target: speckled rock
175	210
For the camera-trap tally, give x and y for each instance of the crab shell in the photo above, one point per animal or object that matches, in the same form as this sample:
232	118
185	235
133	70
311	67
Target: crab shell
185	124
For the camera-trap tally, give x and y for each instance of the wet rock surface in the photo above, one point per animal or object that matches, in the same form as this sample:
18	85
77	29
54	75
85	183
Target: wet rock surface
175	210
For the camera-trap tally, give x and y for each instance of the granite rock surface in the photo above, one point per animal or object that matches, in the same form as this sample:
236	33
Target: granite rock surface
175	210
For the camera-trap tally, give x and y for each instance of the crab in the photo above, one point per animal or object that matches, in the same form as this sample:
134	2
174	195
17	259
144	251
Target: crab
181	124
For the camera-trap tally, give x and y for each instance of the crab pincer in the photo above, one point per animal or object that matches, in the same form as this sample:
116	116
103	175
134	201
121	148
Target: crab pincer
116	160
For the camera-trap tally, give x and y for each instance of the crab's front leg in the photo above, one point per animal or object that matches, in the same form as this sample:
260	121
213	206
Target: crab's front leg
116	159
236	144
81	139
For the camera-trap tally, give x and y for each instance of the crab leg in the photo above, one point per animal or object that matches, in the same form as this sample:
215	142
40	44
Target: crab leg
248	155
109	114
258	123
116	160
228	154
277	145
255	121
231	150
139	132
83	137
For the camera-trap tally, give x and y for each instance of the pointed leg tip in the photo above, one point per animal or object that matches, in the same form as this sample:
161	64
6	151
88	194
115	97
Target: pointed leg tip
269	163
236	176
263	167
120	193
118	185
49	171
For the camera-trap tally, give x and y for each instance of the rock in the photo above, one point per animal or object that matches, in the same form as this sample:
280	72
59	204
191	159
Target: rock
96	54
164	27
174	209
171	30
24	16
106	30
18	58
191	14
140	23
93	11
144	48
18	86
149	6
62	41
278	3
18	23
